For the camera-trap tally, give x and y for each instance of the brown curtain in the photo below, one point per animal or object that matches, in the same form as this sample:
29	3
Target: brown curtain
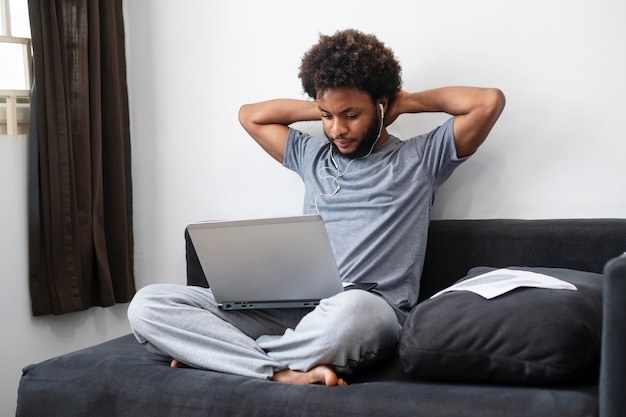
80	197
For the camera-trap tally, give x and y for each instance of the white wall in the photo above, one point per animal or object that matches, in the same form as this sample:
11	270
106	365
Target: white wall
556	152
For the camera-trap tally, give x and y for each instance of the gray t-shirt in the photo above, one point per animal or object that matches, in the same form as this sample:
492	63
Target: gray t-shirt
377	210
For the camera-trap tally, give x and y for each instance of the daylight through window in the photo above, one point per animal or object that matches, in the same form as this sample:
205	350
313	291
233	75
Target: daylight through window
15	71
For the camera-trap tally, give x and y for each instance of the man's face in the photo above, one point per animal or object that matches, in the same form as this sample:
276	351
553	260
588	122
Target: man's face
350	120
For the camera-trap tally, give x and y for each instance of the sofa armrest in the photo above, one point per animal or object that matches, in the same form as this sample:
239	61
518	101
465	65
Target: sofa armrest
613	366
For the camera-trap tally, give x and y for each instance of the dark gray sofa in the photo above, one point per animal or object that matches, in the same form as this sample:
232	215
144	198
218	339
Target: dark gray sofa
120	378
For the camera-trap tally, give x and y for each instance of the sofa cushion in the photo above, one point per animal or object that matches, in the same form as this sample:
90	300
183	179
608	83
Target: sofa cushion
121	378
529	336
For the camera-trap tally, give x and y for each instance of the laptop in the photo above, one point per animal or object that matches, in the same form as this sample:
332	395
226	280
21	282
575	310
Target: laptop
284	262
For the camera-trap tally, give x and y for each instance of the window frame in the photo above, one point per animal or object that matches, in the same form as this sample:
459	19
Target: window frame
11	96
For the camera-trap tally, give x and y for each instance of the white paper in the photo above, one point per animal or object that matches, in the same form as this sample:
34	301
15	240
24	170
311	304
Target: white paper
500	281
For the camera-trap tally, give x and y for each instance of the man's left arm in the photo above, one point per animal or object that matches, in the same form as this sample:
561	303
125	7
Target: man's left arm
476	110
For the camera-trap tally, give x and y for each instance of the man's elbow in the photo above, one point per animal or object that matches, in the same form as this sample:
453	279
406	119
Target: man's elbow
484	118
244	116
493	105
495	101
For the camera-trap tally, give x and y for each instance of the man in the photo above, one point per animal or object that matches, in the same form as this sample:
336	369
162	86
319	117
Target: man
374	192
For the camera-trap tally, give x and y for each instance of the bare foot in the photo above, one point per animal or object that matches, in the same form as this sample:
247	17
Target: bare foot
177	364
319	375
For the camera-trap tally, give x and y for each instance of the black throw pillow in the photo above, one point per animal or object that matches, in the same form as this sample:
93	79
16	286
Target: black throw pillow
529	336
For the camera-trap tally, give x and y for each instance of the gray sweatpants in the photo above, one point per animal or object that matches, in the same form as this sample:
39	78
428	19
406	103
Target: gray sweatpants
184	323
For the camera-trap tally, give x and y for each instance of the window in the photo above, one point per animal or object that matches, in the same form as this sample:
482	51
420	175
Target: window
15	71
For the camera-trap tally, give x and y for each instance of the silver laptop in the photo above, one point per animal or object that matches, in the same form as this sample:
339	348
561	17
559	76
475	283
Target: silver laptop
282	262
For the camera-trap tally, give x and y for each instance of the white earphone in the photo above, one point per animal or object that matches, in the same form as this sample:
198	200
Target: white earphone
335	178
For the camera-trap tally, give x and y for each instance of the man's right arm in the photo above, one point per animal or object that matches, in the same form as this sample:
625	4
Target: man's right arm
268	122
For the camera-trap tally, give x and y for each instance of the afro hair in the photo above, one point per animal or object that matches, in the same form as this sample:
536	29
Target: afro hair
349	59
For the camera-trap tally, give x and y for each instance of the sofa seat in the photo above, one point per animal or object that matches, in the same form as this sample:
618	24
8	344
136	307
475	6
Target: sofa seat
136	382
